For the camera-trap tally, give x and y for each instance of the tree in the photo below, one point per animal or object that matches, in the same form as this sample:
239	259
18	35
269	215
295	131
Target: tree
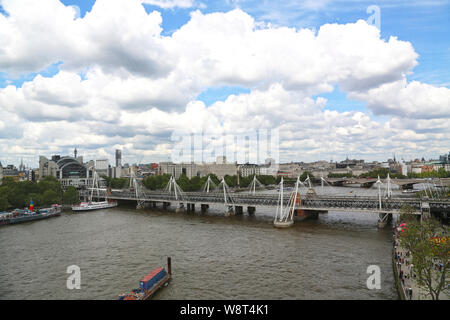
231	181
184	183
8	181
196	183
49	183
419	238
71	196
50	197
266	179
156	182
305	175
17	198
3	202
407	213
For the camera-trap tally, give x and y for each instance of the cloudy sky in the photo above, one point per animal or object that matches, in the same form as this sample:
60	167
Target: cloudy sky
106	74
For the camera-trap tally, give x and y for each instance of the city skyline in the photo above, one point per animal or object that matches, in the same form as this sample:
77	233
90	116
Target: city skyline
126	75
112	161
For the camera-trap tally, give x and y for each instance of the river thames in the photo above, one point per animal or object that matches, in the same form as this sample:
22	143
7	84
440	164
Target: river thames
213	256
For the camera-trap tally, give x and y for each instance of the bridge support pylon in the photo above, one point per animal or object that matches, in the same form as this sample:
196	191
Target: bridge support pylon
384	219
230	211
204	208
425	210
180	208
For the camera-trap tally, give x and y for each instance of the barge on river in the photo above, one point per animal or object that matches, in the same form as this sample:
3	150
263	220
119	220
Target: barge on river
150	284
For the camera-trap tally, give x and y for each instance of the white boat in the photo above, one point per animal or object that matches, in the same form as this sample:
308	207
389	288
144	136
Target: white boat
94	205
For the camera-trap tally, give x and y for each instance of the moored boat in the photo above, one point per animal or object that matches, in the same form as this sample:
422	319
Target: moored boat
94	205
25	215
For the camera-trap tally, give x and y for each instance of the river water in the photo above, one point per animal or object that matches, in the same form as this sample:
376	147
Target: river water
213	256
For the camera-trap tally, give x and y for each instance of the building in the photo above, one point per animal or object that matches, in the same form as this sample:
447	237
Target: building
101	166
11	171
198	170
114	172
247	169
406	169
445	159
290	170
220	170
427	168
176	170
68	170
118	158
416	169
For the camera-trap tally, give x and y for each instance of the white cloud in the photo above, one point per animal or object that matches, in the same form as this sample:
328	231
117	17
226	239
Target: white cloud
170	4
138	86
413	100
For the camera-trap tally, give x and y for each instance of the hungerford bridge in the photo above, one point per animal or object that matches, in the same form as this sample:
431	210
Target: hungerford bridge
289	205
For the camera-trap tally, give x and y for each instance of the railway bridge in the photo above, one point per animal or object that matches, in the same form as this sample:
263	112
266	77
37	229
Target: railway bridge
294	205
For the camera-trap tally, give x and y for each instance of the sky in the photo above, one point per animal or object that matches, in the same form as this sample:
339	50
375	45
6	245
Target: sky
332	79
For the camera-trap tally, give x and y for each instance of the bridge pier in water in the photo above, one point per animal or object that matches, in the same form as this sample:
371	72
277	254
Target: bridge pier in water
384	219
180	208
191	207
230	211
251	210
313	215
204	208
166	205
239	210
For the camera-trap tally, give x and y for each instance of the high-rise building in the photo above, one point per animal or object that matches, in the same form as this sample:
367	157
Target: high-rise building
118	158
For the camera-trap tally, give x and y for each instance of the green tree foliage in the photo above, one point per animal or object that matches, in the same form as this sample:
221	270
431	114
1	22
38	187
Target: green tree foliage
158	182
3	202
382	172
231	181
441	173
116	183
213	178
266	180
49	183
71	196
8	182
49	197
418	239
19	194
305	175
184	183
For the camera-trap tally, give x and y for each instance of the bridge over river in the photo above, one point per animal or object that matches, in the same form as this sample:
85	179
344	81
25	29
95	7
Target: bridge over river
294	205
319	203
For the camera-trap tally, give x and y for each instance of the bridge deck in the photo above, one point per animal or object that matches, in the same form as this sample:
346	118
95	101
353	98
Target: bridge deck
326	203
